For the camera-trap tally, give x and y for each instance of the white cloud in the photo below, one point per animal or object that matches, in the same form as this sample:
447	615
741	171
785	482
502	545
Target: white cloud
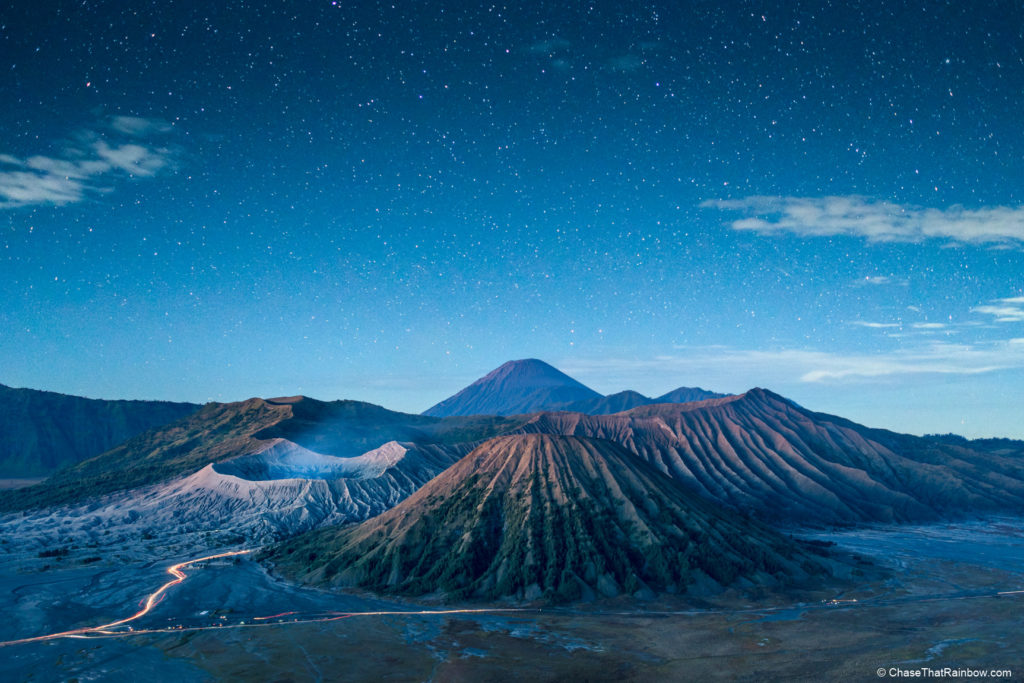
875	221
874	325
1008	310
40	179
135	159
18	188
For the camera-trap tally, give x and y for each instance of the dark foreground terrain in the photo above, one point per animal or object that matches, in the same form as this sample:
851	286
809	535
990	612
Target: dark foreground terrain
953	600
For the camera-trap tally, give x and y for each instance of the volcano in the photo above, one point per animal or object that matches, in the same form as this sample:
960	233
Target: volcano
515	388
547	517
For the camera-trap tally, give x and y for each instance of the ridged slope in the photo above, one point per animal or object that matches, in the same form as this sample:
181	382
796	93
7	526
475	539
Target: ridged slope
517	387
761	453
533	516
41	431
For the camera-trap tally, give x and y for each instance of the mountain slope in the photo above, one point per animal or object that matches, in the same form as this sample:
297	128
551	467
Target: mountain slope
41	431
222	431
532	516
761	453
517	387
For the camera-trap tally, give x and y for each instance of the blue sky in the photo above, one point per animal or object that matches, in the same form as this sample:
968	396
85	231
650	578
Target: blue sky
385	201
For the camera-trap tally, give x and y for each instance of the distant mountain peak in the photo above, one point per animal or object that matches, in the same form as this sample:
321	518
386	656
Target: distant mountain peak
515	387
687	395
533	369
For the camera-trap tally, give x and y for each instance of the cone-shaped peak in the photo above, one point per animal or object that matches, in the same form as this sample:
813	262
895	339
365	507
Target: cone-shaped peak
516	387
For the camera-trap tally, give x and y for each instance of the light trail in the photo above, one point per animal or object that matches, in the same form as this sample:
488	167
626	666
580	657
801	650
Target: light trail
154	598
274	616
150	602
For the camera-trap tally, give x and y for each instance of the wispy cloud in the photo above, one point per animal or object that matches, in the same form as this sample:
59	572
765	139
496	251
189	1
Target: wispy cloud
1008	310
809	365
84	166
874	325
137	126
875	221
133	159
938	358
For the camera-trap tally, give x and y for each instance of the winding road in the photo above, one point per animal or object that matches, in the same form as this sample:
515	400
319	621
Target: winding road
148	604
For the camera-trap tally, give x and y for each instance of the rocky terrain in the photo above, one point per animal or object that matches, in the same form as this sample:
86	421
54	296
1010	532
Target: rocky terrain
552	517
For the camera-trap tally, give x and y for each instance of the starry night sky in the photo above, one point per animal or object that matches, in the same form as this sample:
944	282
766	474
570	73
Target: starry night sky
385	201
